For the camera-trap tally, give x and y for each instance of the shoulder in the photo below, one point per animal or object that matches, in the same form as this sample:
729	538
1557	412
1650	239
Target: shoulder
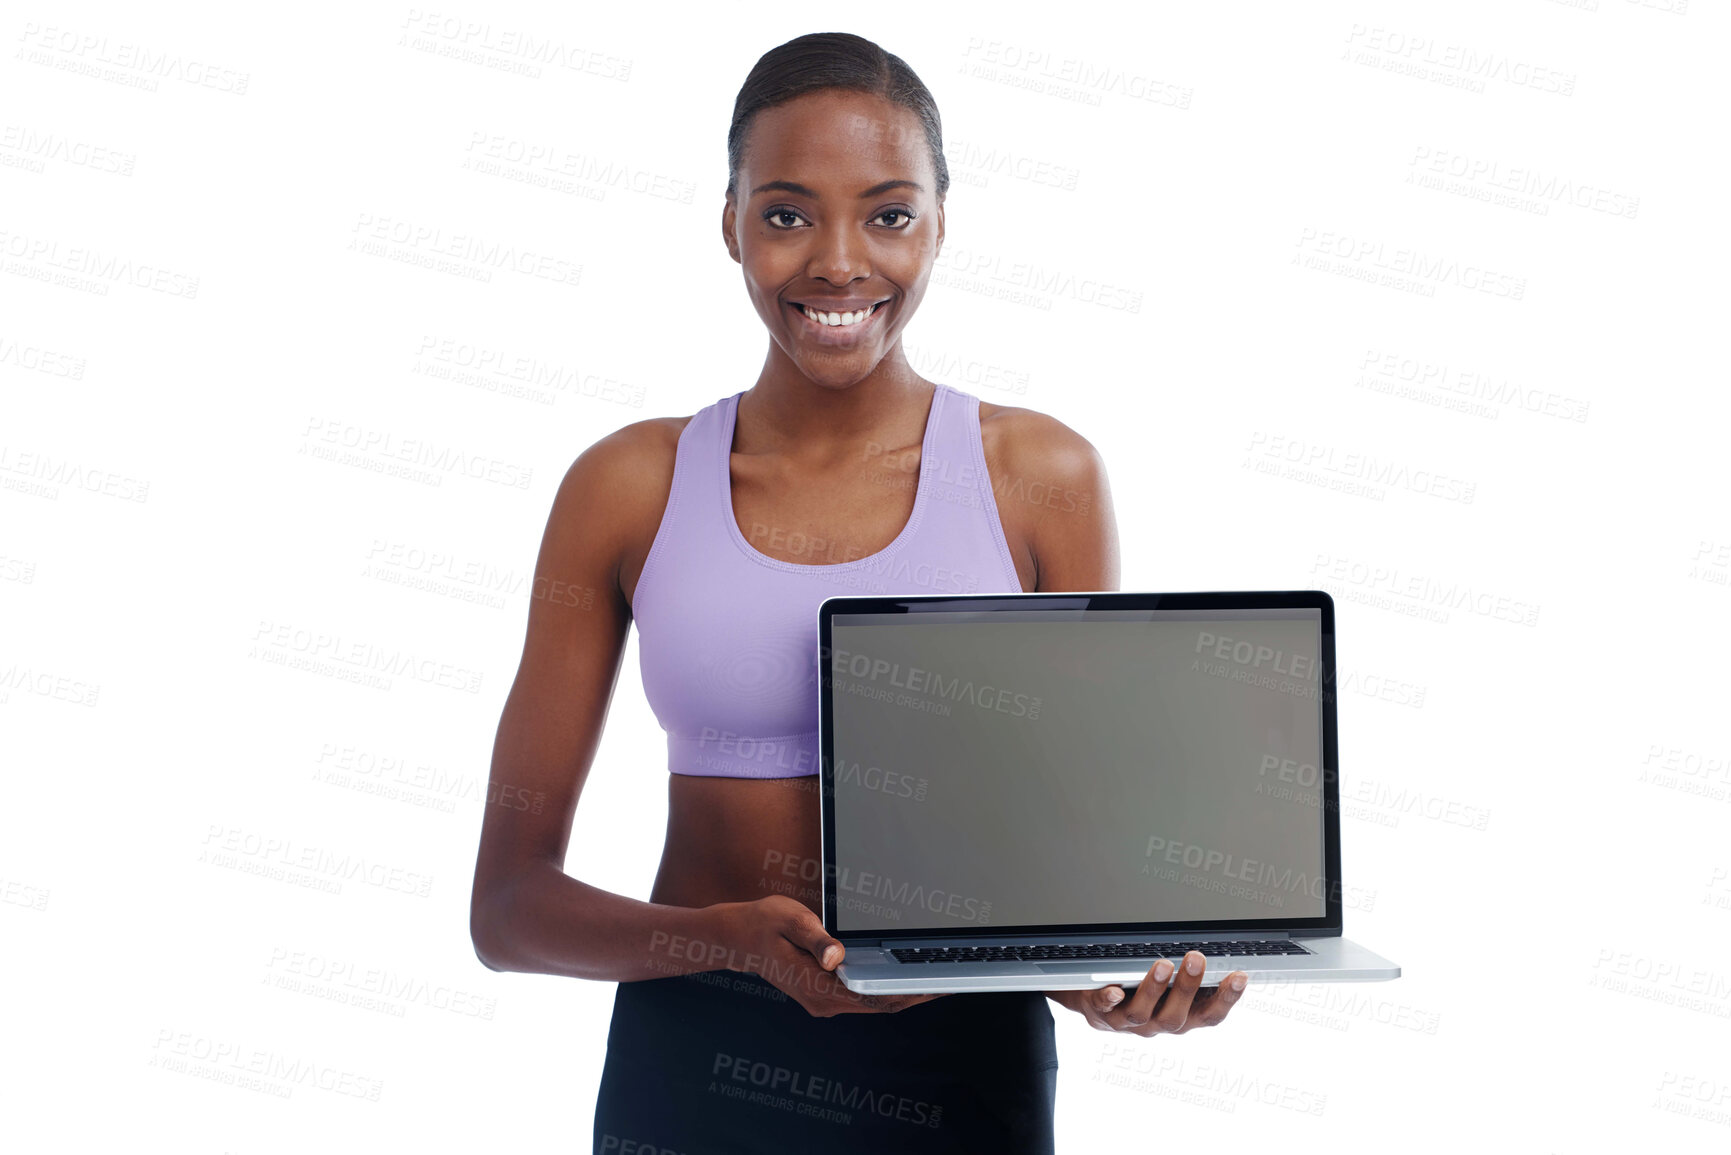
617	486
1053	500
633	450
1029	445
629	463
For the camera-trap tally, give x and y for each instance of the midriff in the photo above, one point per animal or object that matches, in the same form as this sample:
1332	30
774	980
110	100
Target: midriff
740	839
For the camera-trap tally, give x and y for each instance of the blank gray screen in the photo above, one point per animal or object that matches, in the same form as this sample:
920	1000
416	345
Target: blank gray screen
1075	766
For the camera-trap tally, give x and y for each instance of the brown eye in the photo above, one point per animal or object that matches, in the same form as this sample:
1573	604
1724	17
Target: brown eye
897	213
774	215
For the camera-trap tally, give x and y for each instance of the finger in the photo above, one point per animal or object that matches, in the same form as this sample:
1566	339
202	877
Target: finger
1176	1007
852	1000
830	995
1104	1000
882	1004
805	930
1138	1009
809	985
1213	1006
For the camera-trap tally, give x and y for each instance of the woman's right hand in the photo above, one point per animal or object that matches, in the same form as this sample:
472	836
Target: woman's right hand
781	939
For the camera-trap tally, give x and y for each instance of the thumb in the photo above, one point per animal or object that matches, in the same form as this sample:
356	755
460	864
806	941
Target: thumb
808	933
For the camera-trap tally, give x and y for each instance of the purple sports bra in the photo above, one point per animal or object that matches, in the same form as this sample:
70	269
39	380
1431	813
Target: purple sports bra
728	636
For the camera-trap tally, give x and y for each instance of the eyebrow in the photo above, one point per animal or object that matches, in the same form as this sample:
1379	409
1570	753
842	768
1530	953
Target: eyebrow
801	190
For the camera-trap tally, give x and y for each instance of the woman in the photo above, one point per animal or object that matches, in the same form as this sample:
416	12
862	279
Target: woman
840	470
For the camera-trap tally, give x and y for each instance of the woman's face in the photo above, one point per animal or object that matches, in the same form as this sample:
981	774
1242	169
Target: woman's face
835	208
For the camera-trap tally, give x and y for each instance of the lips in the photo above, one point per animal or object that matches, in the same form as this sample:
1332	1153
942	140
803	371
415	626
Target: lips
812	332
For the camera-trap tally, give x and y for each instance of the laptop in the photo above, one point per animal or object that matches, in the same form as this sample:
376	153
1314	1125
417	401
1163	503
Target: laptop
1052	791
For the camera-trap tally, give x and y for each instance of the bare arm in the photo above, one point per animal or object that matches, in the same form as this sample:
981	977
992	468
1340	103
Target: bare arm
526	913
1073	533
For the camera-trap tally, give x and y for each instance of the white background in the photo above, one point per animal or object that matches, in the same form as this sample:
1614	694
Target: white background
1535	730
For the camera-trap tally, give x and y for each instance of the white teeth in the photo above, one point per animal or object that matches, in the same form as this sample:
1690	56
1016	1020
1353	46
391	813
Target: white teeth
837	318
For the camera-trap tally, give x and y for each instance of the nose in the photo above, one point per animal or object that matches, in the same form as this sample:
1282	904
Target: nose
838	254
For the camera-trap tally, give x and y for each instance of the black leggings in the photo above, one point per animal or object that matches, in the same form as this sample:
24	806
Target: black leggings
722	1062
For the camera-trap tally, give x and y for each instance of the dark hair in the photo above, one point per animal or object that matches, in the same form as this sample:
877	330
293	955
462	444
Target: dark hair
823	60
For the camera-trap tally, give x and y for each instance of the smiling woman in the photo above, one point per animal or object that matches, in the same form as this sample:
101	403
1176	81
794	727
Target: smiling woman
836	259
730	1031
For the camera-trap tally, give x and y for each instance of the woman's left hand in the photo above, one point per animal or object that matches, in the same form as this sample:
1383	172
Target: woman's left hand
1153	1008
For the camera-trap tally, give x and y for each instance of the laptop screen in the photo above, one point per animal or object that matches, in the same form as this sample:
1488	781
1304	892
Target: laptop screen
1014	768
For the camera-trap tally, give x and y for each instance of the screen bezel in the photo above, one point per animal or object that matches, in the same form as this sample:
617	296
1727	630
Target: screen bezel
1328	923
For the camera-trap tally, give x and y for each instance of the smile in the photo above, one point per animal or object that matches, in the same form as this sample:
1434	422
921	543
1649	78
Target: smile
838	320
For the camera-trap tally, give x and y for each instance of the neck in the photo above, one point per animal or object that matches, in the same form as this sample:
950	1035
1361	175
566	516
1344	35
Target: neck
788	412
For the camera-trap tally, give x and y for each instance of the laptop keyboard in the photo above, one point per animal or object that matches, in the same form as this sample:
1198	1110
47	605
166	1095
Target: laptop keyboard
1057	952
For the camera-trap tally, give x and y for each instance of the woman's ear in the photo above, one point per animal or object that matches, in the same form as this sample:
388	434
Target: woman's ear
728	217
